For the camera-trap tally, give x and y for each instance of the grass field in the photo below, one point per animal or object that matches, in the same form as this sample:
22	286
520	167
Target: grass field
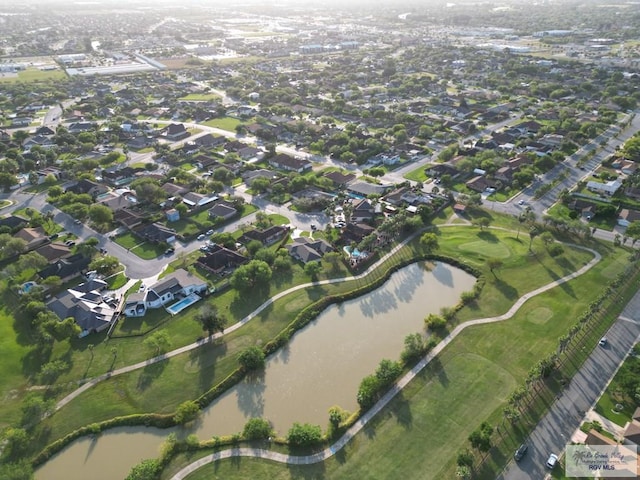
200	97
139	247
34	75
226	123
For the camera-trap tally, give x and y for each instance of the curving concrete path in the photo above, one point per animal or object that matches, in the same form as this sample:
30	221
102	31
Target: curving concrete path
397	387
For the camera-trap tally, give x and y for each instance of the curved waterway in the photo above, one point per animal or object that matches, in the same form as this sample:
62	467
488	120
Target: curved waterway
321	366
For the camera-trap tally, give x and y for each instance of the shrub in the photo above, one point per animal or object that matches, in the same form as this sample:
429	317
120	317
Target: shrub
186	412
257	428
435	322
252	358
304	435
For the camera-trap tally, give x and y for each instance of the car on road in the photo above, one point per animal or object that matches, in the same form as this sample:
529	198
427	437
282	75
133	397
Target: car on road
209	233
69	243
520	452
552	460
77	222
201	237
169	251
603	342
520	202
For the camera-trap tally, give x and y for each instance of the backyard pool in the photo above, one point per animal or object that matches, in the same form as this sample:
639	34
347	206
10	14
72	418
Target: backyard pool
356	253
182	304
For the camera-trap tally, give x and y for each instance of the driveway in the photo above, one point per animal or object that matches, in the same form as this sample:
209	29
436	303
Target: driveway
554	431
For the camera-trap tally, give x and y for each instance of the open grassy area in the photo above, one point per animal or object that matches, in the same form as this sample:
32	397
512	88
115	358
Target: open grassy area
33	75
225	123
200	97
139	247
417	175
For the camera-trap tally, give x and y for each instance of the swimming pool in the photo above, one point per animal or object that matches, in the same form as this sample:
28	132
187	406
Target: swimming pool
182	304
356	253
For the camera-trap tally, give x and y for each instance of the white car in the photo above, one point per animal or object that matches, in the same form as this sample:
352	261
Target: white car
603	342
520	202
201	237
552	460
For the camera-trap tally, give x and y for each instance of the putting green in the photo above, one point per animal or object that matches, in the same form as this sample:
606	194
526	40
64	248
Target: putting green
487	249
540	315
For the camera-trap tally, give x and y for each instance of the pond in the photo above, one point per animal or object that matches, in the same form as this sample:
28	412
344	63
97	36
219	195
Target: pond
321	366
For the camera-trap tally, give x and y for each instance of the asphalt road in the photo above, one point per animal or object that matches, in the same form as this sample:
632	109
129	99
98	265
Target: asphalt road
554	431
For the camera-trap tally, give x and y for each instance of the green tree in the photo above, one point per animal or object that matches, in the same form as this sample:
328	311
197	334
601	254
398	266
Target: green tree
312	269
387	372
256	273
257	428
16	443
252	358
481	437
100	214
186	412
146	470
429	242
414	348
368	391
210	319
158	342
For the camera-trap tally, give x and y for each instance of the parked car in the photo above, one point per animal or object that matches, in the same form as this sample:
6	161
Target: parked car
77	222
201	237
520	452
603	342
552	460
169	251
209	233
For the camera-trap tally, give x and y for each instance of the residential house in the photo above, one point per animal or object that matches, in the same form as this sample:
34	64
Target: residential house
363	211
249	153
339	179
439	169
355	232
21	122
80	127
118	175
223	211
89	187
197	200
250	175
127	218
155	233
177	284
38	141
140	141
220	259
87	307
291	164
308	250
609	188
267	236
204	162
33	237
628	167
13	222
66	268
174	190
364	189
114	202
480	184
175	132
209	141
586	208
53	252
626	216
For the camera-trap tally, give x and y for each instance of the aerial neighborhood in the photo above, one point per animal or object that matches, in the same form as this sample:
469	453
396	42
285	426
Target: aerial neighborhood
322	236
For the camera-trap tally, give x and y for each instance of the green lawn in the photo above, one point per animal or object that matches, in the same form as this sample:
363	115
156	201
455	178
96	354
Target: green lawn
225	123
417	175
5	203
116	281
127	240
34	75
139	247
199	97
